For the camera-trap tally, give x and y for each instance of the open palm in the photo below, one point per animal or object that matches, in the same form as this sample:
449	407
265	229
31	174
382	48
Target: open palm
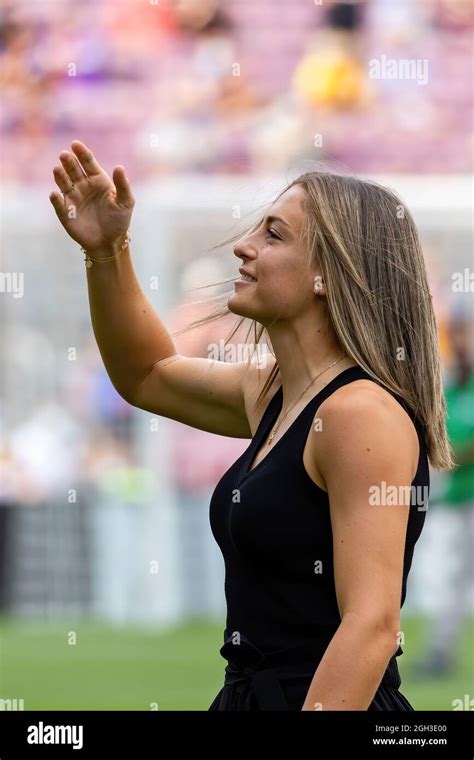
94	209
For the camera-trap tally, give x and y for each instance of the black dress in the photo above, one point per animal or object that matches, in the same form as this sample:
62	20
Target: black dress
273	525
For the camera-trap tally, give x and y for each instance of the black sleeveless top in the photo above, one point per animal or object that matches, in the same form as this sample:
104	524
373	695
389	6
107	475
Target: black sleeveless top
273	525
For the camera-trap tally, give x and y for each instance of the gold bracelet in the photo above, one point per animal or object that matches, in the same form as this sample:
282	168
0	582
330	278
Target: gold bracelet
89	260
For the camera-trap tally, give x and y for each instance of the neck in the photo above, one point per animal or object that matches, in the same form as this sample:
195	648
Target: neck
303	348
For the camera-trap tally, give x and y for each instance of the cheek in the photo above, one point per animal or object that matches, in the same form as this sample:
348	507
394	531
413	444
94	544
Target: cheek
274	263
279	275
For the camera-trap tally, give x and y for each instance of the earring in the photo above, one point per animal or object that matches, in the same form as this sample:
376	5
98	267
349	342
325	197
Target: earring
318	284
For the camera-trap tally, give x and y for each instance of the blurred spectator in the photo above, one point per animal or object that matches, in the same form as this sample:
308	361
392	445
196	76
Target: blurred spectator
88	391
332	73
46	446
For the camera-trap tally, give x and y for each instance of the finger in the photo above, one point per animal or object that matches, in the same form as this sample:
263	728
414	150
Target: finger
58	202
72	166
63	180
86	158
122	187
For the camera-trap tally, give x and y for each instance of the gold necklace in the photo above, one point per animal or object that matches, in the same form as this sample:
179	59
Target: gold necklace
272	435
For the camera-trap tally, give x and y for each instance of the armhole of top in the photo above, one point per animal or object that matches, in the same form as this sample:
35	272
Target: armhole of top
418	425
416	422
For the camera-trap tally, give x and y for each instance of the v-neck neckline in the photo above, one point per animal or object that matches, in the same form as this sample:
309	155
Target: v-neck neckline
263	430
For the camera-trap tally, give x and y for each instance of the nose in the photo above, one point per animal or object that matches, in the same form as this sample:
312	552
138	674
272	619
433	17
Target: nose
243	250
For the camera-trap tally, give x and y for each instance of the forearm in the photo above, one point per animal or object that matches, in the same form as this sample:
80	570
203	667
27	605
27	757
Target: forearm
352	667
129	333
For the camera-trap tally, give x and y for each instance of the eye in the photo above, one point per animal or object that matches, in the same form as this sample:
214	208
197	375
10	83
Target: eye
272	234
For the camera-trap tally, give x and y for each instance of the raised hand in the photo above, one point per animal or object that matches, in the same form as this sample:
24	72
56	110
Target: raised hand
93	209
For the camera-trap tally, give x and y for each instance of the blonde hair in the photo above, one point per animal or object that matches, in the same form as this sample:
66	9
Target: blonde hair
366	245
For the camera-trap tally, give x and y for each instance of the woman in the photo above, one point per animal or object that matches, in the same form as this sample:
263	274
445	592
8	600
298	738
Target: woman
318	519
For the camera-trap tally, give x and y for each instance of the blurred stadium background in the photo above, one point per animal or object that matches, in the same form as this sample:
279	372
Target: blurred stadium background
111	585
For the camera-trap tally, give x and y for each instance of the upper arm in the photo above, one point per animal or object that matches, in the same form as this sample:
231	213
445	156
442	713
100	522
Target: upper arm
365	443
206	394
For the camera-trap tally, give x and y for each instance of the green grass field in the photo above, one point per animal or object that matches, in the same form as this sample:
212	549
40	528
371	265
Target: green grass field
180	669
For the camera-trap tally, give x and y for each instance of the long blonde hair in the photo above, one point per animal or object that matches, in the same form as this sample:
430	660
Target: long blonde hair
366	244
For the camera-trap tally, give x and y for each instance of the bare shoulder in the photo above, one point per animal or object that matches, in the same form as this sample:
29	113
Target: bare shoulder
358	418
365	401
253	381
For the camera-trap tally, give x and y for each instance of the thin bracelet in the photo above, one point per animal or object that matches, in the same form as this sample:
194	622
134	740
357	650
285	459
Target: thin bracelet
89	260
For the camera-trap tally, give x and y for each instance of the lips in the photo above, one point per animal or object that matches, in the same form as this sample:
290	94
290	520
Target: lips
247	276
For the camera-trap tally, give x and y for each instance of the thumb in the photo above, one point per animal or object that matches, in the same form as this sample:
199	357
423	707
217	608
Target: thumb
122	187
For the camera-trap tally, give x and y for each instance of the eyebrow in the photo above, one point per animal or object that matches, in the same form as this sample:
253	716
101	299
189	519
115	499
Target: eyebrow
270	219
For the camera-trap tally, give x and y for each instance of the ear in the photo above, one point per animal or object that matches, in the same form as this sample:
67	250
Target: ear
318	285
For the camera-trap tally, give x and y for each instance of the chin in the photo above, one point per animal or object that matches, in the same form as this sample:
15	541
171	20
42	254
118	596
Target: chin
237	306
233	306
